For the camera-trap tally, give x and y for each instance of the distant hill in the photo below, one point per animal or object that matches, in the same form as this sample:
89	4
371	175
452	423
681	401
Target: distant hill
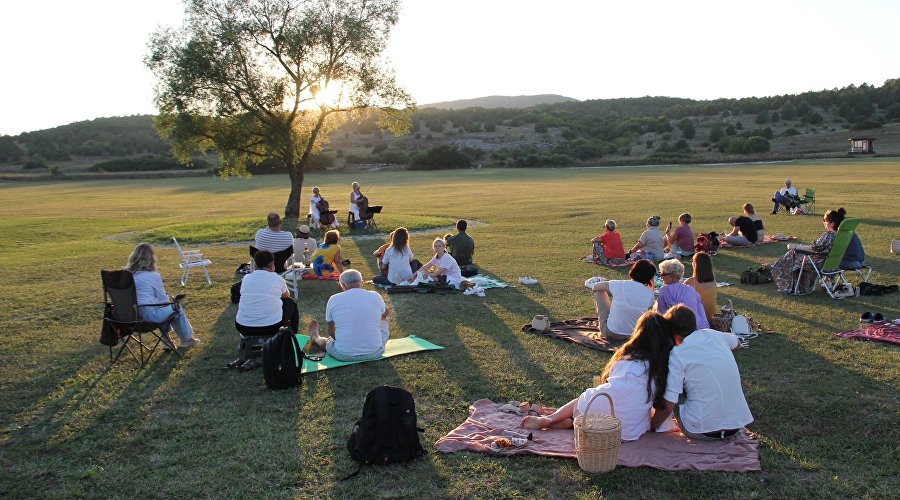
501	101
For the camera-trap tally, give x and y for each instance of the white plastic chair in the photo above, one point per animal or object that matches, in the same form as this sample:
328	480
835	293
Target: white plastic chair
189	260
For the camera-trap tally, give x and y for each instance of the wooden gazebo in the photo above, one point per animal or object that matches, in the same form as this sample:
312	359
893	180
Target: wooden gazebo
862	146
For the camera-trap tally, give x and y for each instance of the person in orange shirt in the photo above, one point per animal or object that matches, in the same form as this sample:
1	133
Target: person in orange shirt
608	245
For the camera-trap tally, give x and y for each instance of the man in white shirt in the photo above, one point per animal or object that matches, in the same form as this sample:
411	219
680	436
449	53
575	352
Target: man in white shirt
357	322
265	305
272	238
786	196
704	385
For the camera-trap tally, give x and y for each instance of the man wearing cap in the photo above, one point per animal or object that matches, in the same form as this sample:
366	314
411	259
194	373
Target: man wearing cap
304	245
272	238
786	196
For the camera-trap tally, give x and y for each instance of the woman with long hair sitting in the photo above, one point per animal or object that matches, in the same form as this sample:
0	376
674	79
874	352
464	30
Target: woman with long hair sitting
397	261
635	379
704	281
151	291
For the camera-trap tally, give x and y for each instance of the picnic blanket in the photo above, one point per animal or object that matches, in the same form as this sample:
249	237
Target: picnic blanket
581	331
333	277
886	332
669	451
394	347
481	280
611	263
766	239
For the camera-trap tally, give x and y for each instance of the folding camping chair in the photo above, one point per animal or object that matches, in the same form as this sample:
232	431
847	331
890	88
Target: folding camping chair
189	260
830	273
291	274
120	297
809	199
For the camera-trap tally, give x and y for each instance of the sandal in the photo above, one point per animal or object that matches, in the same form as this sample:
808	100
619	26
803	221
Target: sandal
249	365
235	363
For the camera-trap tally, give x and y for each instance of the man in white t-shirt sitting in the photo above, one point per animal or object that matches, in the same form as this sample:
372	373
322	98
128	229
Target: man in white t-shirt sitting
265	306
704	385
272	238
617	315
357	322
786	196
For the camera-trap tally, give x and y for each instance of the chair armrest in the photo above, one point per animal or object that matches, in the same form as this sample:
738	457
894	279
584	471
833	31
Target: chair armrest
810	252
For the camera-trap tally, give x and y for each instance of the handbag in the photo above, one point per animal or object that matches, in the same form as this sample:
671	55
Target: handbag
540	322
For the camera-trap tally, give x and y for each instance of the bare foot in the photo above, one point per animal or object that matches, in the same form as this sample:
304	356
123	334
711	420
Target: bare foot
314	330
532	422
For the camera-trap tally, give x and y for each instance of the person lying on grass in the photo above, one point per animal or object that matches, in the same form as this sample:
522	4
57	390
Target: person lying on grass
444	265
635	379
357	322
703	385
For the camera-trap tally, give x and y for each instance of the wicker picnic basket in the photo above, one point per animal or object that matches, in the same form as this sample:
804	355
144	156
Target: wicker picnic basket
597	438
722	321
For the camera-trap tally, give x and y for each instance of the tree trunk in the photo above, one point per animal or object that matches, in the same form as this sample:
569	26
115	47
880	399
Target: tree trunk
293	204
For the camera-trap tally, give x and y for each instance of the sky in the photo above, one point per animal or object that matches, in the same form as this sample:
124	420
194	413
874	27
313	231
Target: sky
67	61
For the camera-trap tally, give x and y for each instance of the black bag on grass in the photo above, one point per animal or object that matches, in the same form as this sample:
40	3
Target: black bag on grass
282	356
468	270
757	276
387	432
236	292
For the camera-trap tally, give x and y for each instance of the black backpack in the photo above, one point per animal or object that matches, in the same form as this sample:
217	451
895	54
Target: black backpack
282	356
387	432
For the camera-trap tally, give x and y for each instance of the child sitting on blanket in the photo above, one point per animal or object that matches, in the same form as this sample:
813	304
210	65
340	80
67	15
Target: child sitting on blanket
608	246
635	379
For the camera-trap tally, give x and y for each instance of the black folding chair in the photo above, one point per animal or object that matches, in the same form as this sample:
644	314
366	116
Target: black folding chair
123	314
281	257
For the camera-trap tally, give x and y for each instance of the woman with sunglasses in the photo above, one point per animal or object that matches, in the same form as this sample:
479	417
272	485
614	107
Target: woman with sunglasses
675	292
784	268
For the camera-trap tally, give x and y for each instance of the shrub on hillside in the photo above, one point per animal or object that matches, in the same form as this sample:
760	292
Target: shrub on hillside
756	144
147	163
440	157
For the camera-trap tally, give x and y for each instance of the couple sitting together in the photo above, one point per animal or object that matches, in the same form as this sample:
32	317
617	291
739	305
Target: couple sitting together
357	318
399	266
667	365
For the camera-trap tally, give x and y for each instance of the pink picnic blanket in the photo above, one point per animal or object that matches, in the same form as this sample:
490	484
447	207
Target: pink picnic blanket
333	277
766	239
886	332
665	451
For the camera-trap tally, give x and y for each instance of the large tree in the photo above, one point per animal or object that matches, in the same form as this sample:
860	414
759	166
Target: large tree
268	79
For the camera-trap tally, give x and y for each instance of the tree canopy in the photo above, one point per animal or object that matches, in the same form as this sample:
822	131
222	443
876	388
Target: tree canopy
268	79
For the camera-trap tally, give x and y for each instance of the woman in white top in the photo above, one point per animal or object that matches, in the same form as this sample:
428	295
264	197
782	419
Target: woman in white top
635	379
150	292
355	195
398	258
443	264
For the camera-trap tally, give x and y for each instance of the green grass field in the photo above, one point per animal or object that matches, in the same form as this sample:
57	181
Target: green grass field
826	408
